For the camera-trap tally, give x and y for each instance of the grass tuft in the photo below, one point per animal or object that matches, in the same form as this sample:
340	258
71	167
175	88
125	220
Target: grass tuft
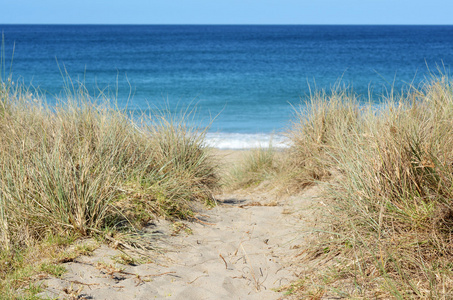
314	134
256	166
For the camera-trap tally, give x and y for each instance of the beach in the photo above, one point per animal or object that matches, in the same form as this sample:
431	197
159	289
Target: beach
226	162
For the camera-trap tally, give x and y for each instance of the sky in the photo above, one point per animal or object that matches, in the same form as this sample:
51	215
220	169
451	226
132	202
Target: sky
226	12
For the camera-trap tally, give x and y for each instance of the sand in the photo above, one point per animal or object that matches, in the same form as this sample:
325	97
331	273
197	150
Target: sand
245	248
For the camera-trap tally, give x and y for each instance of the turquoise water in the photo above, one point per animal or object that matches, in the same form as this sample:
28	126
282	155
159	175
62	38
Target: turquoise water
250	77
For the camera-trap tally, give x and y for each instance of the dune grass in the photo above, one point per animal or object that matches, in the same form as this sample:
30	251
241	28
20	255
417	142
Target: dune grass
255	167
388	172
311	134
84	167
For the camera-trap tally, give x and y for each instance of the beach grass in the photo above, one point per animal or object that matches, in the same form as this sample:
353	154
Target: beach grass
254	167
388	177
83	167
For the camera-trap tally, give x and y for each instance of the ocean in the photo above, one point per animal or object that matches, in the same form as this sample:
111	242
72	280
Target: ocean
245	81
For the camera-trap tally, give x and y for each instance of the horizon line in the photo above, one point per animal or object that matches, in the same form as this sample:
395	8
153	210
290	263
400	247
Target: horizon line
219	24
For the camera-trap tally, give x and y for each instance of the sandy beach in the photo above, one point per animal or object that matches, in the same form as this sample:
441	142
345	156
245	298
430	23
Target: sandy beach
243	248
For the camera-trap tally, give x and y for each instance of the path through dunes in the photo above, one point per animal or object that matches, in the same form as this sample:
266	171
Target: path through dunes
241	249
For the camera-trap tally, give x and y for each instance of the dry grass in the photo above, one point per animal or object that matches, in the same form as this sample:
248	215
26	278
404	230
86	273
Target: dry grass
83	166
391	203
254	167
313	137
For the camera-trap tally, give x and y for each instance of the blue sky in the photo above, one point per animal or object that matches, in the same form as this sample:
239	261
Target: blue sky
226	11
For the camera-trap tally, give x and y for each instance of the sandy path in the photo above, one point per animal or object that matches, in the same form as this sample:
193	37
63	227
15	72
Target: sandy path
245	254
242	249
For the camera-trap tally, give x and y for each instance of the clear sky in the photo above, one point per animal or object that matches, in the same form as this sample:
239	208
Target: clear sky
226	11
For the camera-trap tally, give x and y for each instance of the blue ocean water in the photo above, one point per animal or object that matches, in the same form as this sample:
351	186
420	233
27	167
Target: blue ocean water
250	77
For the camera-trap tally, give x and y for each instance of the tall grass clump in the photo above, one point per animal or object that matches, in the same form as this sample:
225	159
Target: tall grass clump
82	165
314	133
391	203
184	167
256	166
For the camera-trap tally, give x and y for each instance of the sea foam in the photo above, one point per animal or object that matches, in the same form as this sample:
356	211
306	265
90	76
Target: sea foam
245	140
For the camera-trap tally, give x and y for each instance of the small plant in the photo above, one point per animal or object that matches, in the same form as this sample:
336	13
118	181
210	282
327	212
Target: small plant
180	226
31	292
52	269
292	288
109	269
126	259
86	248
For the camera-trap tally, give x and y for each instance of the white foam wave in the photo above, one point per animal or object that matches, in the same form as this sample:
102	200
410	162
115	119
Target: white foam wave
245	140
